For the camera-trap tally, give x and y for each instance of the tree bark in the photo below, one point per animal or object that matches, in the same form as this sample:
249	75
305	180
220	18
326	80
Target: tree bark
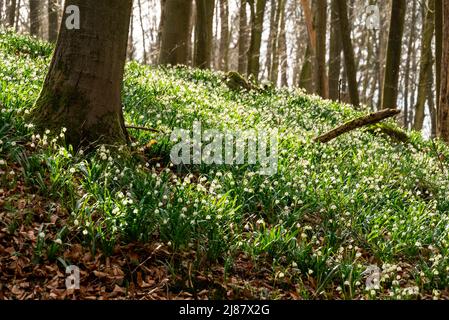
224	35
443	112
274	23
11	13
425	64
204	33
408	66
372	118
82	89
438	47
257	15
320	54
53	16
35	11
334	52
391	77
274	73
348	50
243	38
176	32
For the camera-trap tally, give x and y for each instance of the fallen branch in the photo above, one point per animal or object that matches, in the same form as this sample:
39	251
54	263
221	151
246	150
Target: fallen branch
372	118
143	128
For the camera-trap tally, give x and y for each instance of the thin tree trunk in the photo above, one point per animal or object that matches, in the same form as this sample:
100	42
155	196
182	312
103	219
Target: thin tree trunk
274	23
257	15
348	51
243	38
204	33
225	35
131	49
425	64
443	112
176	32
334	52
408	65
320	54
431	102
53	17
35	11
276	50
142	29
283	47
391	77
307	71
438	46
11	13
82	88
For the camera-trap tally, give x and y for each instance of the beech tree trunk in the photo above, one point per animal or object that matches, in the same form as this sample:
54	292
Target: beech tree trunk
53	16
35	11
83	85
175	37
334	52
438	47
410	50
11	13
425	64
320	54
394	50
257	15
443	112
350	67
224	36
243	38
204	33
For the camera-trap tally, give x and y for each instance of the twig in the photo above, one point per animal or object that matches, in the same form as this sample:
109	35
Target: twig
357	123
143	128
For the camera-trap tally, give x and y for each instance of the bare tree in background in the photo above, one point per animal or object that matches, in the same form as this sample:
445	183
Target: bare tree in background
443	112
257	19
204	33
391	76
175	37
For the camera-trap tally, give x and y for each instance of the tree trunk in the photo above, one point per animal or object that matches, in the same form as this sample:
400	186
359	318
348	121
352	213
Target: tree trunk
257	15
425	64
204	33
438	47
391	77
334	52
282	44
274	23
176	32
83	86
225	35
274	73
320	54
53	14
348	51
307	71
443	112
408	66
142	29
243	38
11	13
35	11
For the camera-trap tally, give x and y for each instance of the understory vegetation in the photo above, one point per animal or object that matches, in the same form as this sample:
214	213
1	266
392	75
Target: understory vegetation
310	231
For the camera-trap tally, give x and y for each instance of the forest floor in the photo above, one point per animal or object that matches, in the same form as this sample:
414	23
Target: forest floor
138	227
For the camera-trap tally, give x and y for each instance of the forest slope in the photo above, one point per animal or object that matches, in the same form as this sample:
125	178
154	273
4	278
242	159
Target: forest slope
309	231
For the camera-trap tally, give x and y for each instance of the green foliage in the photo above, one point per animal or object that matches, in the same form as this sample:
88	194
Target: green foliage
329	212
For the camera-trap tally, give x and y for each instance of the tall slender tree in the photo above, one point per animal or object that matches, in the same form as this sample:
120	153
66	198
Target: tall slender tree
320	54
82	89
443	112
334	52
204	33
224	35
257	17
243	38
394	50
53	17
35	13
11	13
176	36
426	64
348	50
